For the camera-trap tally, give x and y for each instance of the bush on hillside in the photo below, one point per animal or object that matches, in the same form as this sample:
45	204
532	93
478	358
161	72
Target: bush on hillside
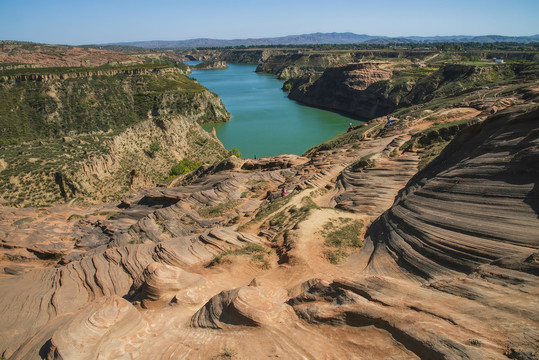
234	151
184	167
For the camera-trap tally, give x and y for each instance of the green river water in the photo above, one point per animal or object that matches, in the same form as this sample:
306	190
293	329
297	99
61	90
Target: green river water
263	120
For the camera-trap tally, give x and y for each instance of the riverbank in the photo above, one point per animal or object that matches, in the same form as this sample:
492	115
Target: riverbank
264	122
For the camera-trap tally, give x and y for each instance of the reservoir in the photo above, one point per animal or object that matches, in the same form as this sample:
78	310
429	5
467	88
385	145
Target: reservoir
263	120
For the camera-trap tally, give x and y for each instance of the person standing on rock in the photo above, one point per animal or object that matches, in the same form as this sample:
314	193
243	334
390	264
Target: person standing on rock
388	120
282	192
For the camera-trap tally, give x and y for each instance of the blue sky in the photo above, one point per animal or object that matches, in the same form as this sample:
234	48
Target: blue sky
104	21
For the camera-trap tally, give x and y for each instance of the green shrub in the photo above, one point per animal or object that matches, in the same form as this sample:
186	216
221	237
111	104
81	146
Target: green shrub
184	167
153	149
256	252
365	162
234	151
341	239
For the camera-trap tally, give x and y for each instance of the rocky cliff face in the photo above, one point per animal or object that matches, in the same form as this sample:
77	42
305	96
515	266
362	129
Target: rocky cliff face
211	64
372	90
52	104
287	66
343	88
96	135
73	73
141	157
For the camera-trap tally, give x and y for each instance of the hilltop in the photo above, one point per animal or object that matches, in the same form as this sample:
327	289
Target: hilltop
325	38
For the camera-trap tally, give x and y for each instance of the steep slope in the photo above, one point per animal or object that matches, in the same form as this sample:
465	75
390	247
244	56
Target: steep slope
97	133
458	250
345	88
476	204
371	90
39	103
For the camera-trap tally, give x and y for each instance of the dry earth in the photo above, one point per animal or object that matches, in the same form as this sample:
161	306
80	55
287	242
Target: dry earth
42	55
225	267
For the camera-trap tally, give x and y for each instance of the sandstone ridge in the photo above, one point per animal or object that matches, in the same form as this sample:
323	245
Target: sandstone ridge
226	259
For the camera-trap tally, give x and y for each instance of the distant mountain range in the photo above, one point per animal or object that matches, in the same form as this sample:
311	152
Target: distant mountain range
326	38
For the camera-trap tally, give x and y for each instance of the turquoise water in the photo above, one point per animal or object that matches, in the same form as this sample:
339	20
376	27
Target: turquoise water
263	120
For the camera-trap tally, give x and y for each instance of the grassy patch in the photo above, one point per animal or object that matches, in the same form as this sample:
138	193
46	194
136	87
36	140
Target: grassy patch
75	217
257	254
365	162
341	238
293	215
26	220
272	206
434	139
256	185
217	210
430	152
107	214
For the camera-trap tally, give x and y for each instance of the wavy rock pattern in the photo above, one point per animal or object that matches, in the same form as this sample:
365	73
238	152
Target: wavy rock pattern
244	306
87	335
37	297
371	191
457	251
165	283
449	271
477	204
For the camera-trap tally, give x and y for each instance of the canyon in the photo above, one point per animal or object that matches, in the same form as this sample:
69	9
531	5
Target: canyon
413	240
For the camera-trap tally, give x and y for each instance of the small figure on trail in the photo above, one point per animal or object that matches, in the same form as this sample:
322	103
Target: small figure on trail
388	120
282	192
255	157
350	125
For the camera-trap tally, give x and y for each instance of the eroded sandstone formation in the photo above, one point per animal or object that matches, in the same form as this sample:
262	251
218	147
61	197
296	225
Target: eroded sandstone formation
219	264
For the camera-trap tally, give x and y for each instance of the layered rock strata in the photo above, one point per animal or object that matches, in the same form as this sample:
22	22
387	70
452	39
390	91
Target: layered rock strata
219	268
458	250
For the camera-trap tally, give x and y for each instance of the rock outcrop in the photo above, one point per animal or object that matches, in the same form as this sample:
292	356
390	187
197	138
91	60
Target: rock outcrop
130	165
211	65
479	199
347	85
88	335
100	100
246	306
458	250
371	90
164	284
123	271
